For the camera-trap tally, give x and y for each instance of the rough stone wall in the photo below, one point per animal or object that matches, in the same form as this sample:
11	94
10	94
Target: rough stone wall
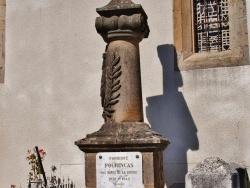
2	38
50	96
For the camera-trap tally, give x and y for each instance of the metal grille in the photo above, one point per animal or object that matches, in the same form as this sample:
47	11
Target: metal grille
211	25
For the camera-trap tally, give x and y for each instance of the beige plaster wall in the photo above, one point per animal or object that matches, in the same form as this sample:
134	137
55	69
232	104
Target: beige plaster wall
50	97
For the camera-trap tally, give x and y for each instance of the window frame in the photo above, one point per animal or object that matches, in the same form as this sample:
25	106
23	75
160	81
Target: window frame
184	38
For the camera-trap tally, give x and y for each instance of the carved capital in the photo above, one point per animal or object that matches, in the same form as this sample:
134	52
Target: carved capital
122	20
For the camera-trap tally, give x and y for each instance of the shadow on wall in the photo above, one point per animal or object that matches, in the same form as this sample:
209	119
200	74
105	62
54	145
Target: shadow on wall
169	115
244	179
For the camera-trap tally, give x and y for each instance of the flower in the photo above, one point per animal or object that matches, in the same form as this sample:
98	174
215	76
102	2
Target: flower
34	163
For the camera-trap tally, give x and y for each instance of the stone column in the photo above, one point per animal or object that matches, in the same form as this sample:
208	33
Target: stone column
123	24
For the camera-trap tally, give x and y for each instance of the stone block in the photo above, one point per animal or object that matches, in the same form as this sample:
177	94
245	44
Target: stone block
151	167
213	173
2	12
2	25
3	2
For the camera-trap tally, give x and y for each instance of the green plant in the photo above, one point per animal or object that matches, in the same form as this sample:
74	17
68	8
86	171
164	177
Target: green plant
34	163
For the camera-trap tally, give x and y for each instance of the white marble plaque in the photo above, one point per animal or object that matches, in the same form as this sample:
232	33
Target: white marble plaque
119	170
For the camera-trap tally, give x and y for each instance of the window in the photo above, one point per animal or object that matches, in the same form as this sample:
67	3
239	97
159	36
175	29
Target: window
2	39
211	25
210	33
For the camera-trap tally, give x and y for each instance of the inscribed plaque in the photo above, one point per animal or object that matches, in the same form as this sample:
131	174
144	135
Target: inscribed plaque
119	170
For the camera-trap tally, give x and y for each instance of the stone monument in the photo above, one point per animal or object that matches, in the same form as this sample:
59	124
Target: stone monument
213	172
124	141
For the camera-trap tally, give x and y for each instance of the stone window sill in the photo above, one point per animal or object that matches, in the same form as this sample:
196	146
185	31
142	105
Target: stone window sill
206	60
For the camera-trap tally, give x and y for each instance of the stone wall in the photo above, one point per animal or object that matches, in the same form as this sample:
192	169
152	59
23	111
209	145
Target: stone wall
2	38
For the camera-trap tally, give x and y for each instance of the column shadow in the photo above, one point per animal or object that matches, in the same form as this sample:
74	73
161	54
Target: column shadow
169	115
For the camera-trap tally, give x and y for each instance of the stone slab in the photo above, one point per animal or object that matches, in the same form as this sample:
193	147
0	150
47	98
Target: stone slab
152	169
119	169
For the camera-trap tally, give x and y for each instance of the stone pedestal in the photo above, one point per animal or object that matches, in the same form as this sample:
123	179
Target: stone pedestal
123	25
126	137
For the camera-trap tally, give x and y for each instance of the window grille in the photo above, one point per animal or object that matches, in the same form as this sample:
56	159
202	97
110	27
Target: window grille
211	25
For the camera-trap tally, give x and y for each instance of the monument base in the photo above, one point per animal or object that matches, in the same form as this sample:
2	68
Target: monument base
126	137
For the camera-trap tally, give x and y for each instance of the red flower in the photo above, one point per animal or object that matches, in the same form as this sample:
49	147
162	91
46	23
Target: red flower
33	162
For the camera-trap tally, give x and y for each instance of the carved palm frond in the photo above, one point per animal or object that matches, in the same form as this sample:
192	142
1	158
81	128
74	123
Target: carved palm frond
112	86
